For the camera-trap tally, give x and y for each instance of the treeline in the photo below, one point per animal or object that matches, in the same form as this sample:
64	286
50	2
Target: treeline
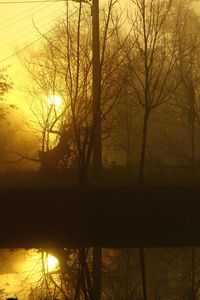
149	90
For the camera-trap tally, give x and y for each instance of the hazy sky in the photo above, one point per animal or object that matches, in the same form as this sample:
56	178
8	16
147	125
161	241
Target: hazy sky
16	23
17	28
17	31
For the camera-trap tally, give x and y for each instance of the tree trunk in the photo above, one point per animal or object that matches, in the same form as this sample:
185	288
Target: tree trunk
143	273
128	138
97	258
82	175
193	148
143	146
193	273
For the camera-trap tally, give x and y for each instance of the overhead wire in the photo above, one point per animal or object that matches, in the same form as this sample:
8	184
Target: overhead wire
24	36
22	30
25	47
30	1
30	44
21	13
21	20
19	51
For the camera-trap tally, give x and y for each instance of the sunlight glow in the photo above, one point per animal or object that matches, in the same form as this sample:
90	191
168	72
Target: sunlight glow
30	269
54	101
52	262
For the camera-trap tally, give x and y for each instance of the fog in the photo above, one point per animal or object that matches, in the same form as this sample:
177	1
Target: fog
94	104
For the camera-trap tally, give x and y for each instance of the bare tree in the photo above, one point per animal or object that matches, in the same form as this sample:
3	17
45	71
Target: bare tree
5	86
181	130
66	70
188	67
152	64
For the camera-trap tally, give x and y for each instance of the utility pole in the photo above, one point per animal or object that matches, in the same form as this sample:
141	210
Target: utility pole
97	146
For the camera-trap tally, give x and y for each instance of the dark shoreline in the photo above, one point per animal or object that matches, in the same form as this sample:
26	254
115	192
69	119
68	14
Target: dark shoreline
112	217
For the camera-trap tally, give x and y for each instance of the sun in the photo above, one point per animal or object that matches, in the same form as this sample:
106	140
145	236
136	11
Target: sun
55	101
52	262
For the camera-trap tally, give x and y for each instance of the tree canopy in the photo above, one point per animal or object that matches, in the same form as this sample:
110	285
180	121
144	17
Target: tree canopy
5	84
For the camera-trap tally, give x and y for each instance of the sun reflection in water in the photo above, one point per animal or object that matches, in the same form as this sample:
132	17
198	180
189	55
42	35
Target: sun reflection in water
28	269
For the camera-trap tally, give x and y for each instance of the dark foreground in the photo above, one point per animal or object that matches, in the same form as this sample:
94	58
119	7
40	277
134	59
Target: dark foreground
106	217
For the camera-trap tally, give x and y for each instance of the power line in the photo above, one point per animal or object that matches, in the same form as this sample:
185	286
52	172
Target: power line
33	42
22	13
21	20
24	36
30	44
24	29
19	51
30	1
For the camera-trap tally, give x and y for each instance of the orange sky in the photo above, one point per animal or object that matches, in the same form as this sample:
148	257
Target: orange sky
17	28
17	31
16	25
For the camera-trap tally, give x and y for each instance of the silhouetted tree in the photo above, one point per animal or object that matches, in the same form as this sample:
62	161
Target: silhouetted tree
179	118
65	70
152	64
5	86
188	67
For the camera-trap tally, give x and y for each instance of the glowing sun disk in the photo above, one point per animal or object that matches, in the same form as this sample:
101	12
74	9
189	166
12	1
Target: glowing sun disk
51	262
54	100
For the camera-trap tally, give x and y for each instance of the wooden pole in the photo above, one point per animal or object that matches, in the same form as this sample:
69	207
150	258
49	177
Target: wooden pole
97	146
